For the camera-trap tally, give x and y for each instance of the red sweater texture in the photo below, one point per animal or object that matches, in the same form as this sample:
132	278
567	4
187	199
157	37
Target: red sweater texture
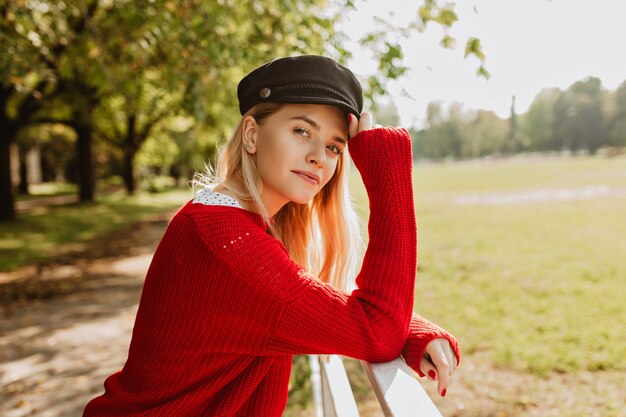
224	308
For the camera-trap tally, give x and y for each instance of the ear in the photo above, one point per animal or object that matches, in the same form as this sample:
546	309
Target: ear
250	130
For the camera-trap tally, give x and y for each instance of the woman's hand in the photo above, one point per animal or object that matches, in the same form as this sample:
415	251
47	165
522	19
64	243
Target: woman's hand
439	362
356	126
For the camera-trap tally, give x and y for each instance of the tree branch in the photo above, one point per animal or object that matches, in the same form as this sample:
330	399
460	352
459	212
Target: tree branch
52	120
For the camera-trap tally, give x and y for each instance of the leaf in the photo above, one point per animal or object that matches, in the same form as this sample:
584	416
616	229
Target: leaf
448	42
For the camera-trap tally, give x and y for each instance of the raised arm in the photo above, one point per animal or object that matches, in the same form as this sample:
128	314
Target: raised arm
372	322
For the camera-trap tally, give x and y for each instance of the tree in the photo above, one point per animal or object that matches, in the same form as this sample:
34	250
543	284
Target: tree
28	71
578	118
617	121
486	134
89	63
443	136
387	115
514	143
538	122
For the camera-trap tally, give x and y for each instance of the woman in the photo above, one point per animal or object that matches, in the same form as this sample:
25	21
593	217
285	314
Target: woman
252	270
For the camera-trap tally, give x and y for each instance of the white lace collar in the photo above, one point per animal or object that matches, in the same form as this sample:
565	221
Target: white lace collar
212	198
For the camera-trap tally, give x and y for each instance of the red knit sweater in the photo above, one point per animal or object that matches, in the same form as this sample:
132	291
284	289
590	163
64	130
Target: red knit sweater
224	308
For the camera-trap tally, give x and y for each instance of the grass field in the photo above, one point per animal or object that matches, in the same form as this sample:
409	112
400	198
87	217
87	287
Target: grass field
525	262
539	284
50	232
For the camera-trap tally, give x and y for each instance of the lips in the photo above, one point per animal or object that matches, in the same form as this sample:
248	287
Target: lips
308	176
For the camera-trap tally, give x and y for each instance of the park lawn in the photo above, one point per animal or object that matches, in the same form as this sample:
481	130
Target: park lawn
57	231
529	287
48	189
537	285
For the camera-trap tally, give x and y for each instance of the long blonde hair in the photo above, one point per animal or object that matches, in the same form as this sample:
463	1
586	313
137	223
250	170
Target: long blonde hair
323	236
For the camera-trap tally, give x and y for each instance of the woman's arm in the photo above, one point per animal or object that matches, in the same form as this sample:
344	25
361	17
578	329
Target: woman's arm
371	323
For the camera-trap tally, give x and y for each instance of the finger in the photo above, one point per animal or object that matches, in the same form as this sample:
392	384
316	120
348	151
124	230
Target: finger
441	362
365	122
428	368
451	357
353	123
451	361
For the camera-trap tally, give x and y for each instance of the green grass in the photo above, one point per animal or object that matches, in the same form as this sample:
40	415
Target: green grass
539	286
53	231
48	189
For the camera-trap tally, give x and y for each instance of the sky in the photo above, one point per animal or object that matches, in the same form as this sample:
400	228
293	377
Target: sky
529	45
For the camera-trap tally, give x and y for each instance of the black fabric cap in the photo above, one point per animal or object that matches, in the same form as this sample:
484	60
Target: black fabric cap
310	79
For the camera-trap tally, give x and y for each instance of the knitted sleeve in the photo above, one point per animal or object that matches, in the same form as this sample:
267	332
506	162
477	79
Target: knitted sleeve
422	332
371	323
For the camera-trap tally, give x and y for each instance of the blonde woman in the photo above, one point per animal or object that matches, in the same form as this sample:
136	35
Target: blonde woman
253	270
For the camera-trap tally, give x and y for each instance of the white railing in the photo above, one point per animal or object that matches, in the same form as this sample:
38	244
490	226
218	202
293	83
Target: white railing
398	392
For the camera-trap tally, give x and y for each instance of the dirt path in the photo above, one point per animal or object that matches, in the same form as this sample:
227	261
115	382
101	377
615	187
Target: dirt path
55	353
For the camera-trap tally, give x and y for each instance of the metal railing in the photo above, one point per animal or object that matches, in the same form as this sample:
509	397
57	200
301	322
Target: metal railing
398	392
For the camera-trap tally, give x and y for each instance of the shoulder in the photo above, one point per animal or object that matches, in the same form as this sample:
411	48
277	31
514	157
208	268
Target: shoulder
220	219
216	216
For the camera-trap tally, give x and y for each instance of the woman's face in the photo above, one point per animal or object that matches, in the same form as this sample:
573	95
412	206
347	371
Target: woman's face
297	150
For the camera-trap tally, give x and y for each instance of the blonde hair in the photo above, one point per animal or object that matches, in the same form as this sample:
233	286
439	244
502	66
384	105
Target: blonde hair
323	236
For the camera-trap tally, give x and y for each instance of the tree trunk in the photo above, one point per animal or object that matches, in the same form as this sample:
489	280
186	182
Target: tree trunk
7	203
175	173
86	171
130	149
8	132
23	186
129	174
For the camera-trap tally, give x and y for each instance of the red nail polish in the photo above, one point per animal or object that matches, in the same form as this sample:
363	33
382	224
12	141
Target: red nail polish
443	393
432	374
349	117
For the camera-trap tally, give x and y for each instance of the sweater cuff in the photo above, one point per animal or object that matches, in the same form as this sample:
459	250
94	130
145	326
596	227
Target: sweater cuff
421	333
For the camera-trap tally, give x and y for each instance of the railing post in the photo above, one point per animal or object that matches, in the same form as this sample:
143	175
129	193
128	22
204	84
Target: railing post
398	391
329	379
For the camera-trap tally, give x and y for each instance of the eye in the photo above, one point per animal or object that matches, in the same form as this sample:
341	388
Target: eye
335	149
302	132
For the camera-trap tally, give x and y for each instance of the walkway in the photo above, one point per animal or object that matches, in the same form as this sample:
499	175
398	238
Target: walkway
55	354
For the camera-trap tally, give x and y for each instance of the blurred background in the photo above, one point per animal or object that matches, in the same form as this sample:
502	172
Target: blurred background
517	111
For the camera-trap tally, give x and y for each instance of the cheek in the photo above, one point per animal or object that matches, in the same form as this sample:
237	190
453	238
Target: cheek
329	170
270	155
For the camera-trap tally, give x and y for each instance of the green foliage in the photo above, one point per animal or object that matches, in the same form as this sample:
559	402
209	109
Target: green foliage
582	118
384	42
117	70
578	118
387	115
457	132
538	122
617	117
474	47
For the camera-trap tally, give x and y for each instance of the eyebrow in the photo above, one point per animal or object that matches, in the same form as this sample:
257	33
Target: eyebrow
316	126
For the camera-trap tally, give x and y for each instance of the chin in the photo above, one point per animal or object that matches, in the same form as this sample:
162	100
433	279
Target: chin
302	198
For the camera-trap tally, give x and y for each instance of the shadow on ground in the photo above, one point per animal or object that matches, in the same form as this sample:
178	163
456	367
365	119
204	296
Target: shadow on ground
59	341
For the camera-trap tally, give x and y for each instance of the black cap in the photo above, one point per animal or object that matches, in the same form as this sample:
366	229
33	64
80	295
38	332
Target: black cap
310	79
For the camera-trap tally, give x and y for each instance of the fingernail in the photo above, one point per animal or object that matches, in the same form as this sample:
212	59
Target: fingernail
349	117
443	393
432	374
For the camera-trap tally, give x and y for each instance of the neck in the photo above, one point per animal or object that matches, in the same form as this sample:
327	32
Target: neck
271	200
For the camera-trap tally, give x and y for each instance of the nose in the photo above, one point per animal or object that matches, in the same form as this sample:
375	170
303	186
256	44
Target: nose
317	154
